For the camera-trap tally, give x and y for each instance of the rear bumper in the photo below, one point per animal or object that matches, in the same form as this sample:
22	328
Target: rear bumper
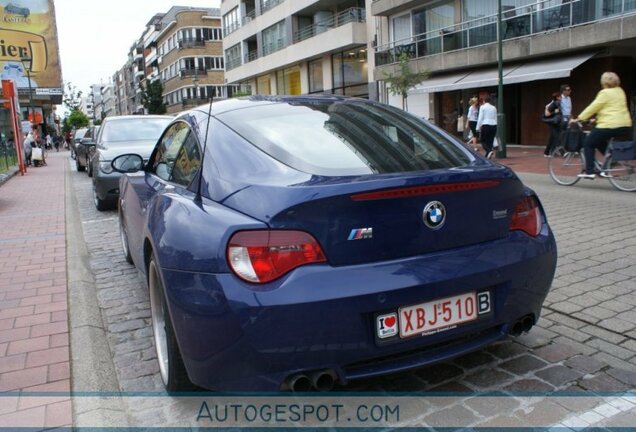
235	338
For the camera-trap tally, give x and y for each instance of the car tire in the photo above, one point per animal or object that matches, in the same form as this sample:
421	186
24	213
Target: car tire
89	168
123	235
79	166
171	367
100	204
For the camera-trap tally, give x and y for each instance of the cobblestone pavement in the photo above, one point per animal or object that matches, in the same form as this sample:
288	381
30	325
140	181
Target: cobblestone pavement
585	341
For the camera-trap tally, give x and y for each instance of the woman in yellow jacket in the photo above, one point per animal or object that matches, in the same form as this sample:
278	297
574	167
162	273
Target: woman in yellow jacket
612	119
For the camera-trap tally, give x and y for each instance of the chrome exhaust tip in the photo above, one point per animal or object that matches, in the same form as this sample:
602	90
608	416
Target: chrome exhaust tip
298	383
527	323
323	381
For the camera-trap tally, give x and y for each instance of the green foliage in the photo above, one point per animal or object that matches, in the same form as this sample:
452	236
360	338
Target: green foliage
75	120
72	97
241	93
400	83
152	98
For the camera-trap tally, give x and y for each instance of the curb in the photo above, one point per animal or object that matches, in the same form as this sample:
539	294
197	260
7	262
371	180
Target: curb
92	367
6	176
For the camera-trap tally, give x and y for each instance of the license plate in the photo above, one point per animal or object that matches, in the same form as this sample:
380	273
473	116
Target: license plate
438	315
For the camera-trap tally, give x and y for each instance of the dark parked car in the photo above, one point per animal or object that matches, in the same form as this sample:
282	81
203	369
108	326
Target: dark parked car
301	242
78	134
84	148
117	135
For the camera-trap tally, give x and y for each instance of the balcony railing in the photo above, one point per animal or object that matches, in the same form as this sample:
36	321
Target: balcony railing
274	46
250	56
342	18
232	63
269	5
187	72
249	16
516	23
191	43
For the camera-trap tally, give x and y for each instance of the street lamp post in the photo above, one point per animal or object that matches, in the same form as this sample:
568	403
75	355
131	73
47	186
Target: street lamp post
27	62
195	82
501	117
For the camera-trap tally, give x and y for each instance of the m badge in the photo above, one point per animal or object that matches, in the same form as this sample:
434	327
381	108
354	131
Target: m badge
361	234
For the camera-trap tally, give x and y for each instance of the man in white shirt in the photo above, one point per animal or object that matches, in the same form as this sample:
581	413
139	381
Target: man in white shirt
566	105
487	126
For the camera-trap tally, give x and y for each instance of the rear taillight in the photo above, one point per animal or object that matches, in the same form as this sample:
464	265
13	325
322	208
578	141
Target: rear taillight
262	256
527	217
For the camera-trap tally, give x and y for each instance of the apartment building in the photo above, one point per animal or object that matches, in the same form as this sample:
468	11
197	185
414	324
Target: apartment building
189	53
300	46
545	43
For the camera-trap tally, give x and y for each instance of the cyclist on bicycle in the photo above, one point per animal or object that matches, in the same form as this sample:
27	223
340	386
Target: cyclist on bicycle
612	120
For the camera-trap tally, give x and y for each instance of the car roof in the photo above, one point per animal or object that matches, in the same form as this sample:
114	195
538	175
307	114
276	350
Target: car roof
247	101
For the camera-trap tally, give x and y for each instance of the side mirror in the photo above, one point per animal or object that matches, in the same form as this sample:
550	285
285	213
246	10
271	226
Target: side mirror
128	163
87	141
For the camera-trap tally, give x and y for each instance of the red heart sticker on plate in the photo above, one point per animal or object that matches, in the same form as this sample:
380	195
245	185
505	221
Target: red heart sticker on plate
390	321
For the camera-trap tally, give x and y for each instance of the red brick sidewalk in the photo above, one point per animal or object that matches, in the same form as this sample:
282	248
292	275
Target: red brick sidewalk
526	159
34	339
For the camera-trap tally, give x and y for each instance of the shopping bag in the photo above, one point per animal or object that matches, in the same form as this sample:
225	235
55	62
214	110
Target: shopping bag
36	154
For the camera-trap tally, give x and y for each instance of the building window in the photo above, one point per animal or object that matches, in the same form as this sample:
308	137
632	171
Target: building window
401	28
274	38
350	72
288	81
268	4
315	76
233	57
263	85
231	21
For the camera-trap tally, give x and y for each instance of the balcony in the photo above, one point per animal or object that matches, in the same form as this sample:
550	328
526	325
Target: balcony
191	43
357	15
270	5
517	22
250	56
192	101
191	72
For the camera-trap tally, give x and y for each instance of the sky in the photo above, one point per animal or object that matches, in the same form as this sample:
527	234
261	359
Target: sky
95	36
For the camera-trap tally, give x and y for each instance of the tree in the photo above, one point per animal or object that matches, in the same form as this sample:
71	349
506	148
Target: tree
401	82
75	120
152	98
72	97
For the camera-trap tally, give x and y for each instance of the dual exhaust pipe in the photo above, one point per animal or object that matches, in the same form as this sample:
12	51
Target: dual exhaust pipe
522	325
322	381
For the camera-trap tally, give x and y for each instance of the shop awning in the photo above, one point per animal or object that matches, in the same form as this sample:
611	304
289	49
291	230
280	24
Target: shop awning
439	83
546	69
524	72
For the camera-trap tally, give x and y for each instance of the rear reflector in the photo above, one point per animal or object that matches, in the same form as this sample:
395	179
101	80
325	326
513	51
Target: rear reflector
424	190
527	217
263	256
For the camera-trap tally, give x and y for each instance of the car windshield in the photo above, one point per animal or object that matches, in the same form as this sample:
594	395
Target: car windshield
345	137
134	129
79	134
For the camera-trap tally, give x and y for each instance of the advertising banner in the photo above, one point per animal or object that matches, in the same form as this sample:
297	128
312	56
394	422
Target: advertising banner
28	29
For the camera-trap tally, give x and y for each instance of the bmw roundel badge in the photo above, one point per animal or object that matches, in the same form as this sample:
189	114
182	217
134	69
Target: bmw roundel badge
434	215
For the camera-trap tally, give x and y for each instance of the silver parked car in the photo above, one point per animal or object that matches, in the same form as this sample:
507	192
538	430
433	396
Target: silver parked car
119	135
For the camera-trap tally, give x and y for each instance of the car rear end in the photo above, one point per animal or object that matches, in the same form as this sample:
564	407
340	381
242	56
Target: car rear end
418	254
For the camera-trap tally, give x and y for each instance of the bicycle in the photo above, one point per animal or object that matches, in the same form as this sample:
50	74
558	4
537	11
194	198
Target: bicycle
565	166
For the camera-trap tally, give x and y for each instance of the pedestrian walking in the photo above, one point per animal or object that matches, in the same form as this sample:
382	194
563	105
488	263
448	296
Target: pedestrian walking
27	145
473	116
566	105
48	142
612	120
553	118
487	126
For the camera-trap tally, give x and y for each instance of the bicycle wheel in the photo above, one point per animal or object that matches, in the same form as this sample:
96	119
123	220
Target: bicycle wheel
565	169
622	174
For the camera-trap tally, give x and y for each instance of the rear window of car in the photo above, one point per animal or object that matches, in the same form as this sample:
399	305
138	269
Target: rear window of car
134	129
79	134
345	137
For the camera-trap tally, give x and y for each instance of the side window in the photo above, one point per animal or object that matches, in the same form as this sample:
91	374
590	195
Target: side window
164	158
187	163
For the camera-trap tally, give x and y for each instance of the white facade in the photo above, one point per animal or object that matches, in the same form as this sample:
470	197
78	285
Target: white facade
299	46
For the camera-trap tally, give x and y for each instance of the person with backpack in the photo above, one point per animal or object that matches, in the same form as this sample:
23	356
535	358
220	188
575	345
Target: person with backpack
553	118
